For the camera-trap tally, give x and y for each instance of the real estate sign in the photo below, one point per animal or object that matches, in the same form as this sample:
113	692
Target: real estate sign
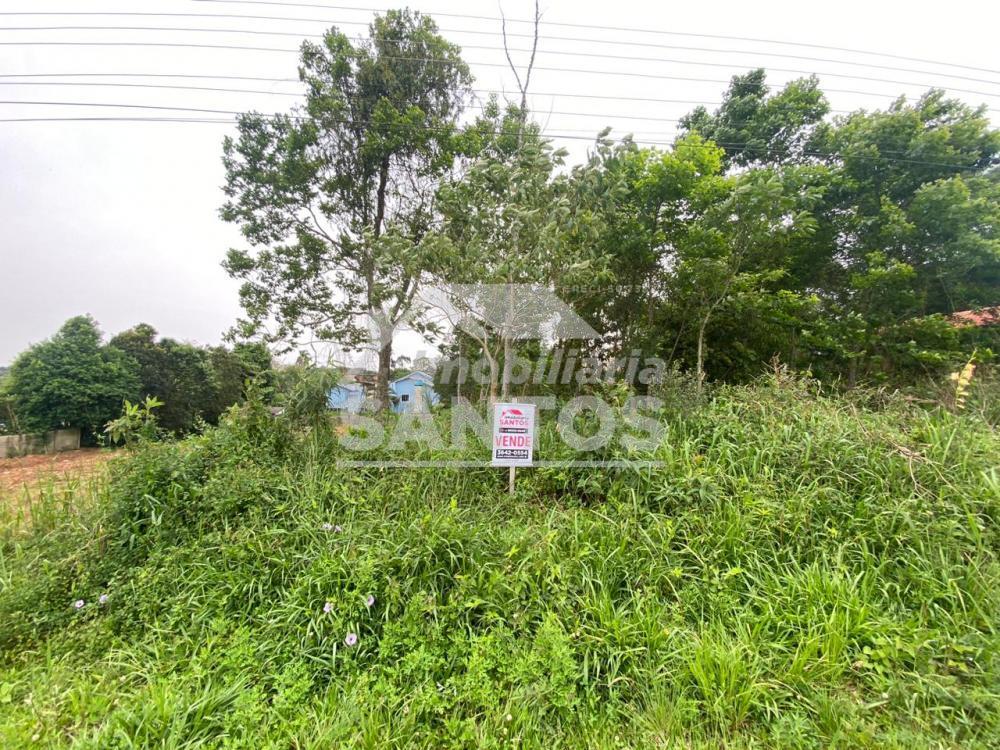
513	434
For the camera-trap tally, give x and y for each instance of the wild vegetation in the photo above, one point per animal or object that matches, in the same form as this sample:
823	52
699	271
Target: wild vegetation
841	244
802	560
797	571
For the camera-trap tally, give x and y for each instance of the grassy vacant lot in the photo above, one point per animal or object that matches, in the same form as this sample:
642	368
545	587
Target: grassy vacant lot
799	572
27	481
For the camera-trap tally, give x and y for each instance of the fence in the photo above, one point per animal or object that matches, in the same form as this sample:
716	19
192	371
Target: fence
49	442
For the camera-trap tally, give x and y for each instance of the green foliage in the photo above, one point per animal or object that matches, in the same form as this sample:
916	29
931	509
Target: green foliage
177	375
755	127
856	238
305	393
336	200
795	571
70	380
505	216
190	382
137	423
8	417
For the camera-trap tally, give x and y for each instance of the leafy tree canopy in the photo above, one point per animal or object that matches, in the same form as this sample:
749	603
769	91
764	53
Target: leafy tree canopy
190	382
754	126
71	380
336	199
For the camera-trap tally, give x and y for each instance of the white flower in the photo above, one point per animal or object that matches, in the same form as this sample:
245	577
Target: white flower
79	603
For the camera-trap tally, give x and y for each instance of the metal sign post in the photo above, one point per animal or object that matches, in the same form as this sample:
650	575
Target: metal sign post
513	437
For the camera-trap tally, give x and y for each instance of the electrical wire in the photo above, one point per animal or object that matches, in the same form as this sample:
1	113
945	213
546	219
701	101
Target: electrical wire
599	55
203	76
880	157
605	28
238	112
627	74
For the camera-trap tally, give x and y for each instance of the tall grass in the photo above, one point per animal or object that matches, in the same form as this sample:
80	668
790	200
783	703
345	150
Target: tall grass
794	571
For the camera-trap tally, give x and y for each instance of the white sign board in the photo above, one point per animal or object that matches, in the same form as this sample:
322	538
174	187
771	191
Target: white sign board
513	434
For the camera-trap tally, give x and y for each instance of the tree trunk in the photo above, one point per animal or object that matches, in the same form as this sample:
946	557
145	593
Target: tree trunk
701	354
383	180
508	364
382	380
458	386
508	346
493	380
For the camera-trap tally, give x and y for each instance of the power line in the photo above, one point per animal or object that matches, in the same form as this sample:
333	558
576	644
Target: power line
195	76
153	86
151	75
568	53
610	56
606	28
627	74
221	121
232	121
548	37
653	100
880	157
239	112
122	106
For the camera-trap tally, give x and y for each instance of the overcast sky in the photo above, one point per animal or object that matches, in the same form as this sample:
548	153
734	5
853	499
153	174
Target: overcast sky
120	219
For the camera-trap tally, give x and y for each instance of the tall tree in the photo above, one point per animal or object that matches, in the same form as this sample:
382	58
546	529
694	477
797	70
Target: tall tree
191	382
178	375
754	126
911	186
631	207
336	199
503	216
71	380
913	219
739	246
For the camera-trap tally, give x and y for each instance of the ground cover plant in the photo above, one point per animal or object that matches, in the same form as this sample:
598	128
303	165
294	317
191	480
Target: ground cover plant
797	570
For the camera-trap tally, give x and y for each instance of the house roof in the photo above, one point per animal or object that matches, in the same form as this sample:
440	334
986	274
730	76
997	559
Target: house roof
426	376
348	386
986	316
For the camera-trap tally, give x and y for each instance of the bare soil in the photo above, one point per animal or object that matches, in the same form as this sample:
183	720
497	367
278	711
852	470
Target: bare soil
30	472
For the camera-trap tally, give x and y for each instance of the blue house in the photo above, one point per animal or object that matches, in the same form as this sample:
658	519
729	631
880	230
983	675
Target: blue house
404	392
407	389
346	397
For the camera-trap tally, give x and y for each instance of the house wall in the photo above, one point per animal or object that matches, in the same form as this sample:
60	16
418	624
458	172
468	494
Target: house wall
348	399
408	386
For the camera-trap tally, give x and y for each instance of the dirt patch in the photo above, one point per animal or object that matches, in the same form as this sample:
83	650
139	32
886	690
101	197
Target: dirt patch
32	471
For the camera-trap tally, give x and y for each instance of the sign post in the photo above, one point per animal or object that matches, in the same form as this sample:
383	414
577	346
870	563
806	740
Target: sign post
513	437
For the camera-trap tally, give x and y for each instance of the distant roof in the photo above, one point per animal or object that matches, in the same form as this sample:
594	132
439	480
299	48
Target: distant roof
986	316
349	386
427	376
